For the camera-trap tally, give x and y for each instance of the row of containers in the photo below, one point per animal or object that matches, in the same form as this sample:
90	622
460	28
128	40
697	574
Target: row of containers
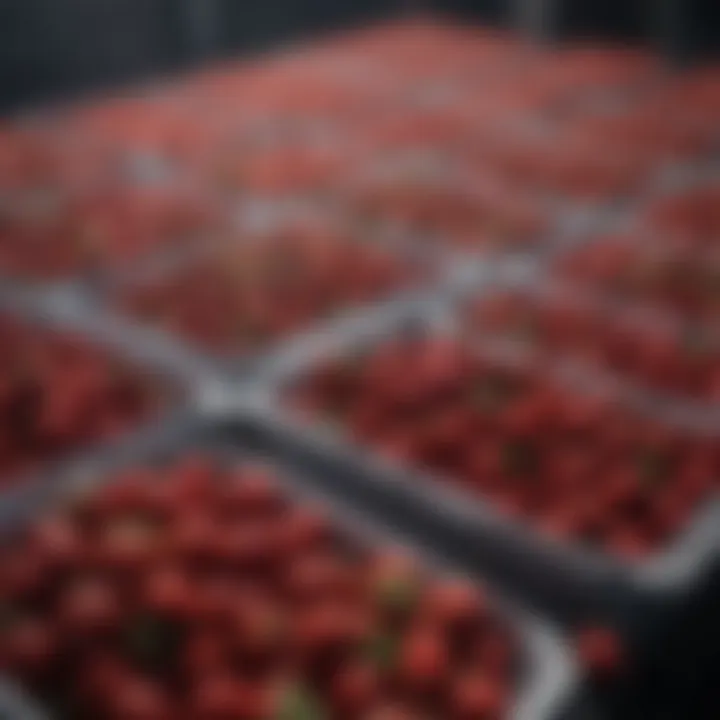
307	422
587	500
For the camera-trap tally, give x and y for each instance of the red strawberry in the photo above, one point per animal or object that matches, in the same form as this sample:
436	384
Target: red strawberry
320	577
58	543
89	609
455	605
139	699
192	537
258	628
389	711
601	652
100	676
327	633
194	480
22	574
423	662
354	689
303	530
252	492
204	653
169	592
224	697
476	697
28	648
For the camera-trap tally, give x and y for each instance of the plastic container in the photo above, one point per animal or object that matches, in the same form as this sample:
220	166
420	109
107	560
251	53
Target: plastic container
59	234
204	305
550	675
430	198
566	580
656	349
177	380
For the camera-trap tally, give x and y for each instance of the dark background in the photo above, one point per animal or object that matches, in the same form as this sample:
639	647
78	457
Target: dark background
55	48
58	48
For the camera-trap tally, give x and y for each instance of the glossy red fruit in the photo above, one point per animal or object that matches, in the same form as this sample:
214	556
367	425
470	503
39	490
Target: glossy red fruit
205	652
140	699
191	537
670	509
258	628
320	577
477	697
216	698
216	597
28	648
565	520
441	364
225	697
162	502
252	492
455	605
494	652
601	652
354	689
89	609
248	547
100	676
170	593
58	543
303	530
127	495
423	661
390	711
193	480
22	575
327	631
626	541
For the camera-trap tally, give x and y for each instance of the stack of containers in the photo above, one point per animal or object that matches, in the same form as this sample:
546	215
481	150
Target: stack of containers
456	290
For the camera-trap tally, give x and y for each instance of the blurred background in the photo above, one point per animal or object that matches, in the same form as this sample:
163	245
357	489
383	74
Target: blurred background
49	48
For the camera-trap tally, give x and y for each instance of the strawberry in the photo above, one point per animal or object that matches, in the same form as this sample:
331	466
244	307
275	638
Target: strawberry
476	697
423	661
89	609
601	652
139	699
28	648
354	689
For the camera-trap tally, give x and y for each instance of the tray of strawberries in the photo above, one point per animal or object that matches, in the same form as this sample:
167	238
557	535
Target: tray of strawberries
65	390
536	464
680	281
246	296
205	571
631	341
61	234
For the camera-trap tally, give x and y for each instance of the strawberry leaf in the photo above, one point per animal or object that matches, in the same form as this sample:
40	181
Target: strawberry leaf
398	596
299	703
382	651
